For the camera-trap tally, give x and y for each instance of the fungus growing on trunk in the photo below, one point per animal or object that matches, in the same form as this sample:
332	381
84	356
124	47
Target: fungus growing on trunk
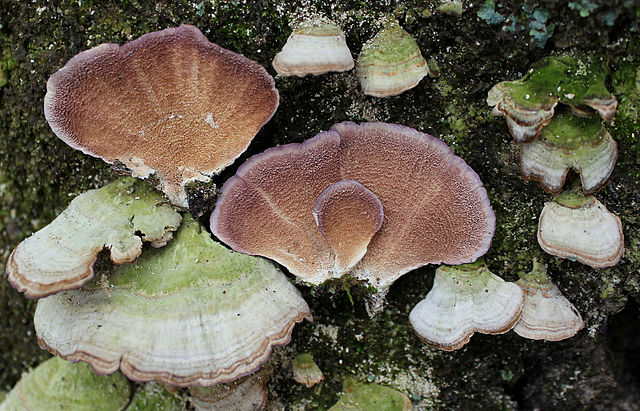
464	300
315	47
169	103
581	228
56	384
390	63
528	104
119	216
190	313
306	371
435	207
359	396
569	141
546	313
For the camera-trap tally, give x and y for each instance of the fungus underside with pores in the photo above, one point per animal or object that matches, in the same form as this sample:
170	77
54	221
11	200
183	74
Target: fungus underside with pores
463	300
529	103
190	313
580	227
169	103
435	207
119	216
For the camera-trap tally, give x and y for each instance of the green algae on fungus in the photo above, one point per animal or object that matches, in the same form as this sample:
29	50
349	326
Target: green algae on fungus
61	385
528	104
546	313
370	397
153	396
190	313
170	103
306	371
315	47
580	227
465	299
390	63
569	141
119	216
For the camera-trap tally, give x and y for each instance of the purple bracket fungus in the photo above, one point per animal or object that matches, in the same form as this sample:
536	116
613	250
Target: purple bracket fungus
306	371
390	63
315	47
191	313
581	228
528	104
246	394
347	215
169	103
546	314
583	144
465	299
61	255
435	207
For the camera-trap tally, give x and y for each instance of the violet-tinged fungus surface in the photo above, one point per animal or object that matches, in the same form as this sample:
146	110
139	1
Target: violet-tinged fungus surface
465	299
315	47
56	384
570	142
246	394
390	63
528	104
169	103
348	215
435	207
546	313
119	216
581	228
191	313
370	397
306	371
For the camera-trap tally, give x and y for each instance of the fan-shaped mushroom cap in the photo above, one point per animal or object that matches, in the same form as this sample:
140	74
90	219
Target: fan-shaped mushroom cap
315	47
60	385
246	394
306	371
390	63
61	255
528	103
577	227
435	207
546	314
169	102
348	215
359	396
570	142
191	313
463	300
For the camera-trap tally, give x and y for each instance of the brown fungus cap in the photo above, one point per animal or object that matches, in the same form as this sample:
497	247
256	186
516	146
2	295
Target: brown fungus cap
435	207
169	102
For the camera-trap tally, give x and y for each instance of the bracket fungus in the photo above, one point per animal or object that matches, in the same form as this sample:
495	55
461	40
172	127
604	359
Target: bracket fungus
169	103
61	255
435	207
370	397
528	104
390	63
581	228
56	384
569	141
315	47
306	371
463	300
546	313
190	313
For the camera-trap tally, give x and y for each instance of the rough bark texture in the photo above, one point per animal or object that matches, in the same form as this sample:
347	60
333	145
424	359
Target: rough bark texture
597	369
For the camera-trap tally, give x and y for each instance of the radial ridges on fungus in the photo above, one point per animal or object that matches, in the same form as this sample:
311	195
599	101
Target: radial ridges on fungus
169	103
190	313
434	205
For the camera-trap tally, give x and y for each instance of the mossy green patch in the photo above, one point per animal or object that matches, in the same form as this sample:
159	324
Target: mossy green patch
370	397
573	198
538	273
153	396
473	275
570	132
318	28
391	47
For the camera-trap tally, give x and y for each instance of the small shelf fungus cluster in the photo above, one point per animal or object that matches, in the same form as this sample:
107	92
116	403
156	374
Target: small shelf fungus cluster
389	64
374	200
575	225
